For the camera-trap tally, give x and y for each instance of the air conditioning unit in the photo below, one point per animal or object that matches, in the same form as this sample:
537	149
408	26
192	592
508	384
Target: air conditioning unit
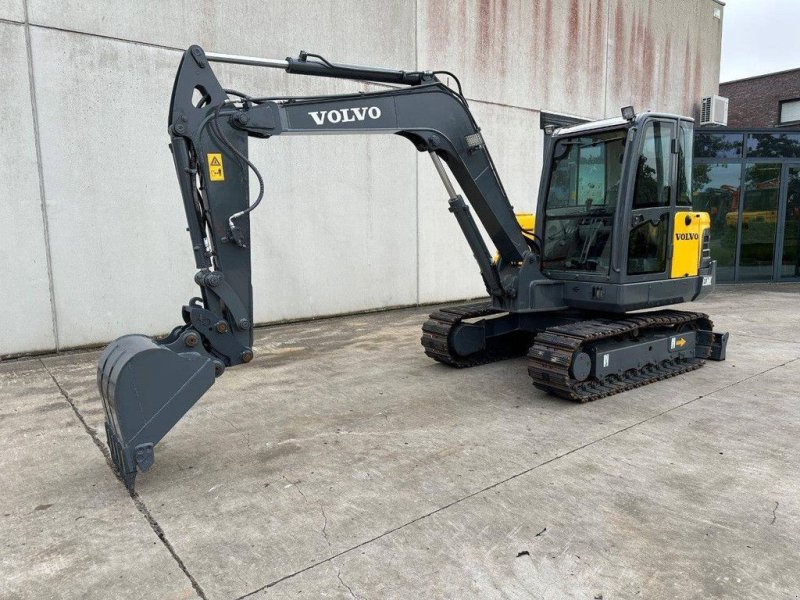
714	111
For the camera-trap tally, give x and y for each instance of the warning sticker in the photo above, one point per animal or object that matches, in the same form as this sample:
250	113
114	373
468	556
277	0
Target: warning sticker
215	172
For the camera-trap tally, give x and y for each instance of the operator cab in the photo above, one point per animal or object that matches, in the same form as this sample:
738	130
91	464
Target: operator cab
627	175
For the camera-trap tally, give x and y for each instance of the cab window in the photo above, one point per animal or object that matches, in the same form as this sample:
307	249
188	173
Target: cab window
581	201
652	178
685	142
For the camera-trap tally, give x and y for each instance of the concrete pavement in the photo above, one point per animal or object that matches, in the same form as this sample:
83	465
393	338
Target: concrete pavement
344	463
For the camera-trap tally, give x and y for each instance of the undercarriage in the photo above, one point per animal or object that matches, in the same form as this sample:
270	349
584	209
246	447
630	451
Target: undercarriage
580	356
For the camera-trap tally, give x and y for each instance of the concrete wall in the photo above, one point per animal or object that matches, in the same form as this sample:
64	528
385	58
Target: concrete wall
91	223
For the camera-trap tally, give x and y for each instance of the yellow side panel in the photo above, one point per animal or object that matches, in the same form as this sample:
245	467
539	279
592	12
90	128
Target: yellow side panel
687	242
526	221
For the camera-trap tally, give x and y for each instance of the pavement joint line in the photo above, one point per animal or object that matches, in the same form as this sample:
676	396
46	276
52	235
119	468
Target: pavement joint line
506	480
137	499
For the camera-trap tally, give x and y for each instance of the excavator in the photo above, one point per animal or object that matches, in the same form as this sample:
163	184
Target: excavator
614	233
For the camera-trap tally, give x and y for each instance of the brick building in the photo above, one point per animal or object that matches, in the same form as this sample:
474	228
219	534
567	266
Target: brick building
771	100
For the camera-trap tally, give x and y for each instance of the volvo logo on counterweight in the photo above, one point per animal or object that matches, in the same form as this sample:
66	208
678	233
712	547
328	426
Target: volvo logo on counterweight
345	115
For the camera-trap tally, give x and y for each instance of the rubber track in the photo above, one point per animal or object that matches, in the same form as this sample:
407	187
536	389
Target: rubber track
550	356
436	334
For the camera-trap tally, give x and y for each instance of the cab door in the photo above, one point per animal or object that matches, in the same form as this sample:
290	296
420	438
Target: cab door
652	203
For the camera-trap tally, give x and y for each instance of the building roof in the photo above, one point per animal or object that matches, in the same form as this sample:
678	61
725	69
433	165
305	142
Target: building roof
760	76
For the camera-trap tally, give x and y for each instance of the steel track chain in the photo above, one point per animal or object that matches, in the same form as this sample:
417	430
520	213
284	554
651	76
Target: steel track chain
436	336
550	356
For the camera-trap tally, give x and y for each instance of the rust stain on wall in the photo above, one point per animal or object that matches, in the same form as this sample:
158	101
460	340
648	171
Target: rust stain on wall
597	17
493	36
689	74
618	77
535	48
666	63
647	66
438	29
553	54
547	23
697	83
573	42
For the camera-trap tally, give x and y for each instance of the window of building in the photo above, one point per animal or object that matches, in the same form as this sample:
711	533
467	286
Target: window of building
773	145
718	145
717	191
762	183
790	261
790	111
753	200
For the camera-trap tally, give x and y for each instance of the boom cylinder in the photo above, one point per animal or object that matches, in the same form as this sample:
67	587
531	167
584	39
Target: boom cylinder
470	230
302	66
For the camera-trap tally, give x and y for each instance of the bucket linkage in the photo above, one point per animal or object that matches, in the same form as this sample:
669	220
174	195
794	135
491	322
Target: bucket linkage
147	385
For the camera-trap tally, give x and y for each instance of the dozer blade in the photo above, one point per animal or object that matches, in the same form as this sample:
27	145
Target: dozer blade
146	389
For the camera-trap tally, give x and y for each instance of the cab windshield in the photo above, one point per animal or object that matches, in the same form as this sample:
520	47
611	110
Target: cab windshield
581	200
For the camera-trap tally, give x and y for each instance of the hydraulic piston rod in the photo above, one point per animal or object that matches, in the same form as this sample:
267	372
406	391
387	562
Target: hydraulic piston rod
236	59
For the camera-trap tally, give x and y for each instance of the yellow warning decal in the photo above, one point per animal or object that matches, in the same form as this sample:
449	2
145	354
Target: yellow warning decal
215	172
680	342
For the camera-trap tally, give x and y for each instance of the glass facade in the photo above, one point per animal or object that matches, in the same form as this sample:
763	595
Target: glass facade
717	191
758	221
749	183
790	258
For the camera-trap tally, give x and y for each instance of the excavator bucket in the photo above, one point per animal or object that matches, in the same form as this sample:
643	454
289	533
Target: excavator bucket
146	388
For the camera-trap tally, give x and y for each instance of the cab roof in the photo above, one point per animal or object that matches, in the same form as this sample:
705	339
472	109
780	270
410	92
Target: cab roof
615	122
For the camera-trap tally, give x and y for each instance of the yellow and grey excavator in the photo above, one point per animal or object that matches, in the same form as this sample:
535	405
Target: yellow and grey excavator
614	233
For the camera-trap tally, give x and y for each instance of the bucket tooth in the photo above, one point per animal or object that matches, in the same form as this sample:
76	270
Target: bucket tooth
146	388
